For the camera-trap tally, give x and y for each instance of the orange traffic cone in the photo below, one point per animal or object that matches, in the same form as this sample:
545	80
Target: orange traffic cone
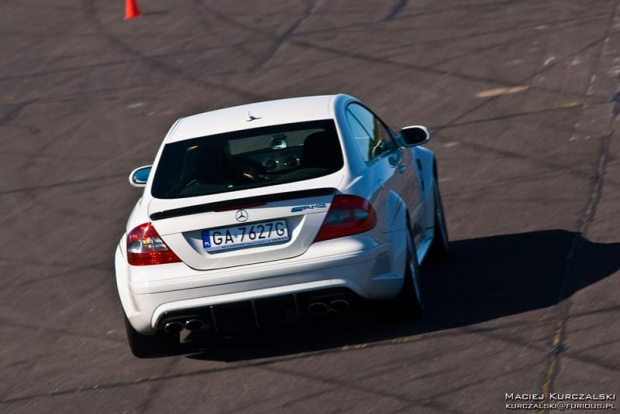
131	9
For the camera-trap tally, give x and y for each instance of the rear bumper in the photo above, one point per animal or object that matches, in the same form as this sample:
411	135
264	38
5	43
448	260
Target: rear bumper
370	270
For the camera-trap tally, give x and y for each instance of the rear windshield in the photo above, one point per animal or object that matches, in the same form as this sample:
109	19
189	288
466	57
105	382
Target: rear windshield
247	159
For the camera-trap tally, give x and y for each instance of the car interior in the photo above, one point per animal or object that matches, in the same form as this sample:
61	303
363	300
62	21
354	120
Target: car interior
231	162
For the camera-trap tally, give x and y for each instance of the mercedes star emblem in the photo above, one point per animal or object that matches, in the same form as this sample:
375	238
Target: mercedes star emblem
252	117
241	216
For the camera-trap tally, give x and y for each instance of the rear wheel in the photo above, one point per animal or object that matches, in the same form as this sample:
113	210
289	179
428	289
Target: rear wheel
408	304
150	346
441	244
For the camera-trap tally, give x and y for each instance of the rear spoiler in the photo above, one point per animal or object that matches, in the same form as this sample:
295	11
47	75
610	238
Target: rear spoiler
238	203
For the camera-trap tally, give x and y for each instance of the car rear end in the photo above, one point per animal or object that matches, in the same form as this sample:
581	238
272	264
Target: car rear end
247	228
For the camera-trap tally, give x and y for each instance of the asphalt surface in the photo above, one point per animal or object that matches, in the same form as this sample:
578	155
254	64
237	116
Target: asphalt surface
522	98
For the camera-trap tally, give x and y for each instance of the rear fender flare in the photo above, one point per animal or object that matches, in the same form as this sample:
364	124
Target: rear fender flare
426	178
397	231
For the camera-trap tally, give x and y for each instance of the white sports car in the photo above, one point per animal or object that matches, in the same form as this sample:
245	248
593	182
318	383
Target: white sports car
259	214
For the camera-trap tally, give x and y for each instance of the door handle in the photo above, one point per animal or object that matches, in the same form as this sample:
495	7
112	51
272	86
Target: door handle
401	169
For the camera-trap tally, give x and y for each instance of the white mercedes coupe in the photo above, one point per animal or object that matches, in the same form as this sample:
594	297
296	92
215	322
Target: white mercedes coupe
260	214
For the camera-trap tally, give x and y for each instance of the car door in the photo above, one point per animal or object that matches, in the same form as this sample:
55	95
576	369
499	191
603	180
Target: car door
392	167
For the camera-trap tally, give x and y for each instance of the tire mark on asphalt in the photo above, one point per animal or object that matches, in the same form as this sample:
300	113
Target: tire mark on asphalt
153	392
361	26
513	41
524	81
396	10
61	184
14	111
40	5
552	166
512	340
579	356
440	332
391	368
422	68
454	390
34	153
80	213
359	56
427	402
61	332
604	344
67	70
91	14
229	368
279	41
510	29
516	115
110	63
69	266
289	404
55	276
614	308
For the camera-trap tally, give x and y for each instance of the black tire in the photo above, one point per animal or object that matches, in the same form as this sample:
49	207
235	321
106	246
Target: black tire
440	248
151	346
408	304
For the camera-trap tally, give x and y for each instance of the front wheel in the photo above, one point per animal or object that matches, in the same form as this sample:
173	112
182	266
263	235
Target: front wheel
408	304
147	346
441	244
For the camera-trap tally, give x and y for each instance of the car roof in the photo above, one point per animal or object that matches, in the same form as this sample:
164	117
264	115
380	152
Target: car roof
255	115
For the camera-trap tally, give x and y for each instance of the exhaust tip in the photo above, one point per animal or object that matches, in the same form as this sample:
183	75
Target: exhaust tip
339	305
194	324
318	308
173	327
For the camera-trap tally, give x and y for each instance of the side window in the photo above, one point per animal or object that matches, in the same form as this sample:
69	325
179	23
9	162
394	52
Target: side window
371	136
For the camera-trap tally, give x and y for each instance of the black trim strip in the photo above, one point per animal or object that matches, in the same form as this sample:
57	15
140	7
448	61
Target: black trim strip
205	208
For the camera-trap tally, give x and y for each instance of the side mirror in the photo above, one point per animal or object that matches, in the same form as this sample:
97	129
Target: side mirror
415	135
140	176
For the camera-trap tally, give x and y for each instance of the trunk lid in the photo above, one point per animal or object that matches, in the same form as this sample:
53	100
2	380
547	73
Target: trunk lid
185	227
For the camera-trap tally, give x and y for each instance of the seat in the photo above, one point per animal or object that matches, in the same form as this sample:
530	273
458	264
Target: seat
321	150
209	164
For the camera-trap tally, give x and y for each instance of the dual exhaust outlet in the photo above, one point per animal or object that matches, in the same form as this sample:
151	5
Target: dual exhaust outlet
316	307
175	327
325	308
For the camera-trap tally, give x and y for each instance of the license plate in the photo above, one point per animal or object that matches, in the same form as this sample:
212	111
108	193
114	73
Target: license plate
247	235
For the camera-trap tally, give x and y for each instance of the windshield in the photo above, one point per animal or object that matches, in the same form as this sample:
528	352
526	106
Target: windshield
247	159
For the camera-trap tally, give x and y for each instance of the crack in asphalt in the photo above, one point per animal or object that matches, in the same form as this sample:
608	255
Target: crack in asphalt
586	217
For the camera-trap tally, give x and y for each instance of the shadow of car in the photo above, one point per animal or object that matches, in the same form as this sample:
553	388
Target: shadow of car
484	279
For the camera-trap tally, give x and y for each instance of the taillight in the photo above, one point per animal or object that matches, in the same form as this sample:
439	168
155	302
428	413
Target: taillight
145	247
347	215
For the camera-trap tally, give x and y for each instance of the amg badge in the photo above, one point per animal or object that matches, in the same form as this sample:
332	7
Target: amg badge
308	207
